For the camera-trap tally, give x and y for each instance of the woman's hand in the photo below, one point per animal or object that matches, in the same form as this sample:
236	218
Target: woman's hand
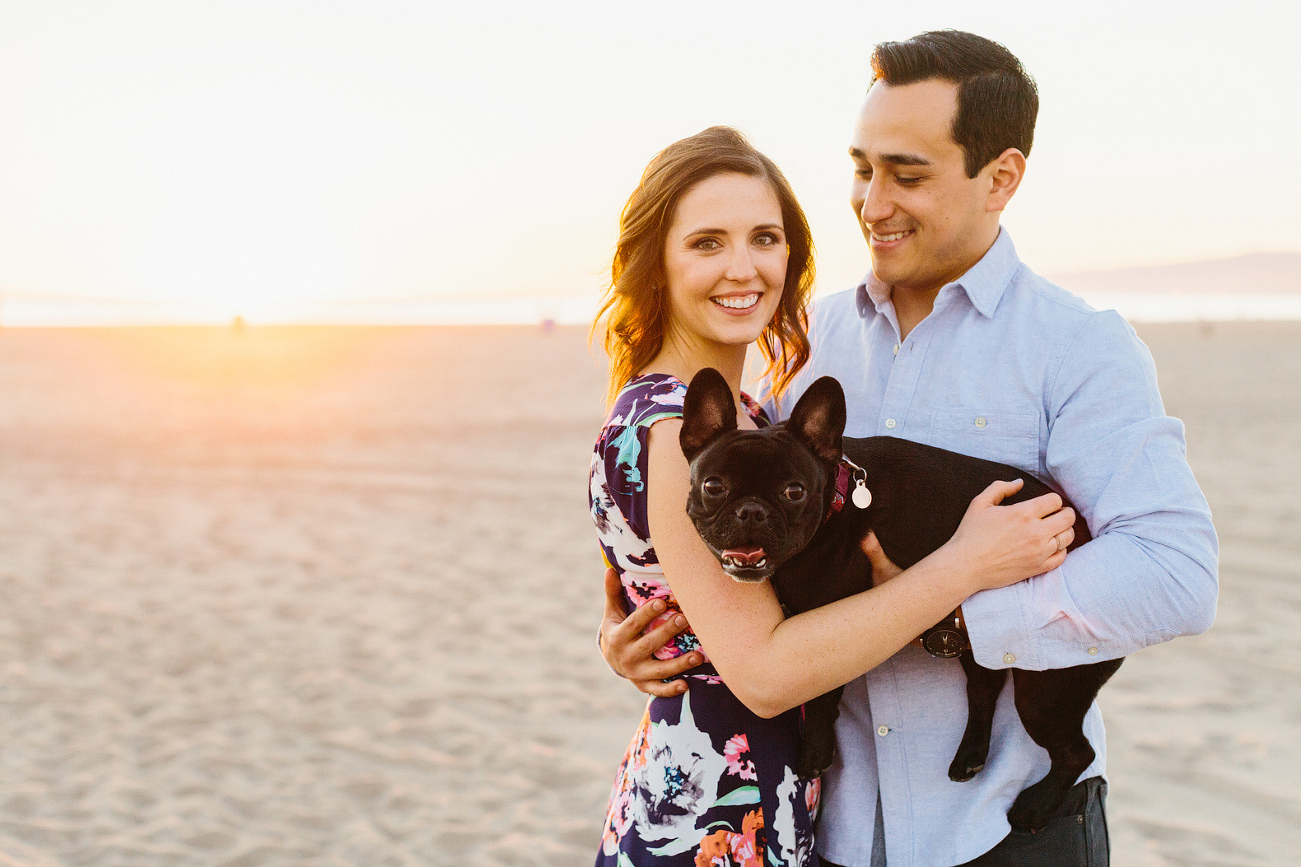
1002	545
631	654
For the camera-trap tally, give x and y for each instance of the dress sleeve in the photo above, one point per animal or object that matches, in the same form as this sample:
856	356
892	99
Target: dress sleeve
1150	572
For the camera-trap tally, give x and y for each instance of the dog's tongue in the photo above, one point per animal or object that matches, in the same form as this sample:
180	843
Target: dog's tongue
744	556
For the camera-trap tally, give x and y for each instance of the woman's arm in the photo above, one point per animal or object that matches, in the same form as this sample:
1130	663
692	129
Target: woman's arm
772	663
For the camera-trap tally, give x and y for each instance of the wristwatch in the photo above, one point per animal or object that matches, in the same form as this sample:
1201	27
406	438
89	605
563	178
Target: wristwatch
946	639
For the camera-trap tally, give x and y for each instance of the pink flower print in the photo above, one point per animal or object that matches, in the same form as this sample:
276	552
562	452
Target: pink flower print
812	794
737	747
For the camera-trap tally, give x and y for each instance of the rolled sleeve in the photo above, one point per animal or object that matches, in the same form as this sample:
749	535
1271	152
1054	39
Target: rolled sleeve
1149	573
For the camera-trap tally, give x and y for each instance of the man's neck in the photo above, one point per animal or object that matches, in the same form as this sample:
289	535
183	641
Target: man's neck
911	307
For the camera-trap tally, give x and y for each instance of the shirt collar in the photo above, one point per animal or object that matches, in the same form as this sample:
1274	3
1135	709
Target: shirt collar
984	282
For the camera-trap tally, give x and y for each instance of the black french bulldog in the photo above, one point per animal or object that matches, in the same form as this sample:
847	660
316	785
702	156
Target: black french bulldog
762	502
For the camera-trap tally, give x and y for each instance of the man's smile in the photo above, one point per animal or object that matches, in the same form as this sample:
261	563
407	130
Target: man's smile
886	238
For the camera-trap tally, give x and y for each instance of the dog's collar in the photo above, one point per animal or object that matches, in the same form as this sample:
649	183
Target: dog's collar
861	496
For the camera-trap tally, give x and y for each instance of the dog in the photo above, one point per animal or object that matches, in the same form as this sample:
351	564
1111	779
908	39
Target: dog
762	502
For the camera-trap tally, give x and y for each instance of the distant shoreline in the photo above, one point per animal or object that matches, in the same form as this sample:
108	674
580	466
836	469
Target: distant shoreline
25	312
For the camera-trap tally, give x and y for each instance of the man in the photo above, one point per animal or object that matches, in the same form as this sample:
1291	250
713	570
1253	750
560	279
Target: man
951	341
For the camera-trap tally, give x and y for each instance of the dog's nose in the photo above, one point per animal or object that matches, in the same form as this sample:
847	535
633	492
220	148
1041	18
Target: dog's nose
751	513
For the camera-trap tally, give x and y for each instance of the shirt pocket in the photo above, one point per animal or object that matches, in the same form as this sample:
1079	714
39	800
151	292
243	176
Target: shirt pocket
1004	435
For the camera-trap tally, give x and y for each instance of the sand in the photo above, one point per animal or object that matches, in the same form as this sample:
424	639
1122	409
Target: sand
328	596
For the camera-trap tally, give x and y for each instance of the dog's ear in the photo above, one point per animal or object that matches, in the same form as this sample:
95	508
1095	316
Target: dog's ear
707	411
818	419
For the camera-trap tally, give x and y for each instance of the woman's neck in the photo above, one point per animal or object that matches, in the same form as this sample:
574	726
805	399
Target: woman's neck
684	362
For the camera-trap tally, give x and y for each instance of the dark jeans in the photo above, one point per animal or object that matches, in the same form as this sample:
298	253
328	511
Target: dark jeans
1076	836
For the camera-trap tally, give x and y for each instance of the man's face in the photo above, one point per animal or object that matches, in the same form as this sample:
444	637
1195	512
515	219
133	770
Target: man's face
925	221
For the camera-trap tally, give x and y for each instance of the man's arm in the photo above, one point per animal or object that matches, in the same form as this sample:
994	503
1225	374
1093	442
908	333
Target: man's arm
1149	574
629	650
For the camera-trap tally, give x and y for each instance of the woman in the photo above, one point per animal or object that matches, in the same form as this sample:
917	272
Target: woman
714	253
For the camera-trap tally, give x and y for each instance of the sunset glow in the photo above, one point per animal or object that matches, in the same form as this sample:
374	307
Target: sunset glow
282	161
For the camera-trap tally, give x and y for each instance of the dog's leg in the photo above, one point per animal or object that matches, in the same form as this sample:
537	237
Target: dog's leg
983	687
818	743
1052	705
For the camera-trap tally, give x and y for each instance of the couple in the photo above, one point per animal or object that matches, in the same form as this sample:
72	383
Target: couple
949	341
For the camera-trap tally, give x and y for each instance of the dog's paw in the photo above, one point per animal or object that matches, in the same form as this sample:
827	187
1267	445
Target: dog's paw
960	771
813	762
811	772
968	761
1029	814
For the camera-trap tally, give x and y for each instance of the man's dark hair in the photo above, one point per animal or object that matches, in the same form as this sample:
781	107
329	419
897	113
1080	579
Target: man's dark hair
997	99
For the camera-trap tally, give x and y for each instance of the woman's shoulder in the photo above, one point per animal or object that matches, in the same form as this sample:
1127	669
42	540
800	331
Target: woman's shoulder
646	400
756	410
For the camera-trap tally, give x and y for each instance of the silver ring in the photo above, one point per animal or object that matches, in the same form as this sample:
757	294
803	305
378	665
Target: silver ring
1058	540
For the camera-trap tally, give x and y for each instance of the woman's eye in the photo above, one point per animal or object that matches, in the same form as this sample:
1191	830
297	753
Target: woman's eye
794	492
713	488
707	244
767	239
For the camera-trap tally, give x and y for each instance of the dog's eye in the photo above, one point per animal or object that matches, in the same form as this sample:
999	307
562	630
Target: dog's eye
794	492
713	488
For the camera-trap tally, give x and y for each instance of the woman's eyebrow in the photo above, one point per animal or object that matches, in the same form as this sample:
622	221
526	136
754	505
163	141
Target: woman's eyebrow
710	231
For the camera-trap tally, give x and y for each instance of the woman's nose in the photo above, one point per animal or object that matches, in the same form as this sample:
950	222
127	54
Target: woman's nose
740	267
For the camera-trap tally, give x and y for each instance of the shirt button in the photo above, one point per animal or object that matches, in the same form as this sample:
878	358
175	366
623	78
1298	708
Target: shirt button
980	421
1093	651
1009	658
896	349
890	423
883	730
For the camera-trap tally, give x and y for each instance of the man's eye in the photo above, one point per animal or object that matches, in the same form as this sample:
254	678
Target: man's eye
713	488
794	492
908	182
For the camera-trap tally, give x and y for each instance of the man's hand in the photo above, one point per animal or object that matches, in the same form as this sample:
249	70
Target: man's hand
631	654
882	567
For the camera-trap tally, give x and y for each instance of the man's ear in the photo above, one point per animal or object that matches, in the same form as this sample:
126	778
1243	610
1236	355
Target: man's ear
707	411
818	419
1005	173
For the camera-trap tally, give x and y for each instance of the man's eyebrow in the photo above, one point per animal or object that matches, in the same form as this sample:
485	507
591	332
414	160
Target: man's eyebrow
893	159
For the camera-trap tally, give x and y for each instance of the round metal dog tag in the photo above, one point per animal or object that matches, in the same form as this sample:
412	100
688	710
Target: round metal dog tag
862	497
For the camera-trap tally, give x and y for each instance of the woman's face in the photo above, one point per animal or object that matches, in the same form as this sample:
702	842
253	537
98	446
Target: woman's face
725	261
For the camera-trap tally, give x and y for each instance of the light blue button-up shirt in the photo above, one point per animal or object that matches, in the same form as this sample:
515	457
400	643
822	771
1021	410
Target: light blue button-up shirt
1010	368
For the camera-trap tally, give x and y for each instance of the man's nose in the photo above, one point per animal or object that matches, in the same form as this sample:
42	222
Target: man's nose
876	205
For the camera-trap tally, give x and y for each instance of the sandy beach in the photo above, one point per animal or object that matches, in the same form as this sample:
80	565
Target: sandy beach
327	596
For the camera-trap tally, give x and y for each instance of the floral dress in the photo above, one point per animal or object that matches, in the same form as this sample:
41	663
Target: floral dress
705	782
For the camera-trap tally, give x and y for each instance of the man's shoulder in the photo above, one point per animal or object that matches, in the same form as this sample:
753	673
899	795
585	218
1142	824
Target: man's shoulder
1028	287
1061	314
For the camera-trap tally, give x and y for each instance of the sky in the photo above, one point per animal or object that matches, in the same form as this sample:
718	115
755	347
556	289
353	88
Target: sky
305	160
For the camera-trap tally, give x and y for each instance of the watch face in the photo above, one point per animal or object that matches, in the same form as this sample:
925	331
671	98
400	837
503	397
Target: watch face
944	643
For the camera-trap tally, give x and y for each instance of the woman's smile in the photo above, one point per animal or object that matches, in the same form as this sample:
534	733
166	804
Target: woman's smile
740	303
